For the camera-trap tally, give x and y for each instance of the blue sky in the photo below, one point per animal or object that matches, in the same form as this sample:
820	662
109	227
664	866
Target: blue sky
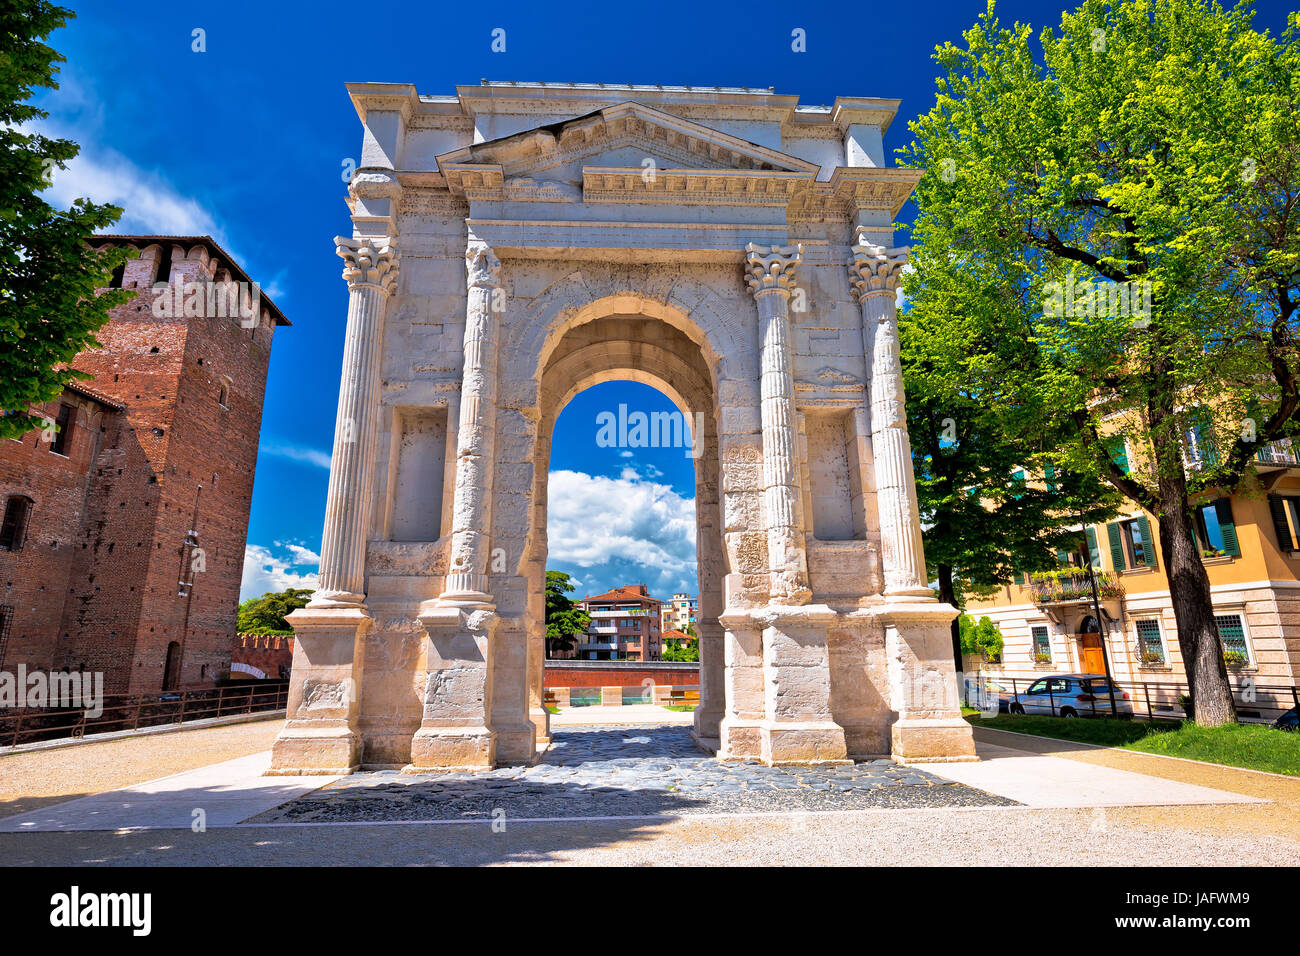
247	141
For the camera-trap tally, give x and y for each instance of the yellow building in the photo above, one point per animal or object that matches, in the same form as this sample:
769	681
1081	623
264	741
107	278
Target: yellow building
1251	549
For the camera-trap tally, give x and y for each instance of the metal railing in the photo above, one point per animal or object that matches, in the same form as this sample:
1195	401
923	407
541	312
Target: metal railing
1075	587
1154	700
135	711
1280	452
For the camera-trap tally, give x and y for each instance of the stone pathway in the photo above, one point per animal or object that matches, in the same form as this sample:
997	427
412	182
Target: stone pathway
622	772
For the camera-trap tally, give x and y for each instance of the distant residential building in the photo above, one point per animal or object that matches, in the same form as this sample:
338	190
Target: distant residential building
625	625
679	613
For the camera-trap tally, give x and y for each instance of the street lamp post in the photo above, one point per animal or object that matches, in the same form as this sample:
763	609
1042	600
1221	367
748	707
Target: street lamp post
1096	612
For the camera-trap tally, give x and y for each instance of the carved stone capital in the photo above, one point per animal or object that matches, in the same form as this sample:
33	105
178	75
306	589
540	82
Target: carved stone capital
482	266
771	268
876	270
369	262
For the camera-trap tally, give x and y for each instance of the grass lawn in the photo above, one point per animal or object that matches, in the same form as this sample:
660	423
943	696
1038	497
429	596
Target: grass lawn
1253	746
680	708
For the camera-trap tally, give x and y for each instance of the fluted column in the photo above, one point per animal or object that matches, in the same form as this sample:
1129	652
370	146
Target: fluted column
467	577
371	269
875	273
770	274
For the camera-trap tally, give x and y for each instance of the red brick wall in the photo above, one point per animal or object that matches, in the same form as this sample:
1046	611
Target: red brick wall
619	675
35	579
183	462
272	654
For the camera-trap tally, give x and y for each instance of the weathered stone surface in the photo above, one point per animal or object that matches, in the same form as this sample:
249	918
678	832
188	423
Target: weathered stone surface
539	258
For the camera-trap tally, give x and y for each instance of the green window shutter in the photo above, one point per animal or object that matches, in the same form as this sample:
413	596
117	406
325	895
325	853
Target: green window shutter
1230	544
1094	553
1277	508
1062	557
1050	474
1019	578
1116	546
1148	545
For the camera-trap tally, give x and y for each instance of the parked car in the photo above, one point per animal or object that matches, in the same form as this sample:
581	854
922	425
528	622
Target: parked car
1070	695
986	693
1289	721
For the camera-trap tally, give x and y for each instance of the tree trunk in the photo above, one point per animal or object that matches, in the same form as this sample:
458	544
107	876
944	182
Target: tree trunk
948	596
1189	591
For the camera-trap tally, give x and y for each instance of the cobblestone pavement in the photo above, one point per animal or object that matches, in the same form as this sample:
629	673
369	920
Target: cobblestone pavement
625	771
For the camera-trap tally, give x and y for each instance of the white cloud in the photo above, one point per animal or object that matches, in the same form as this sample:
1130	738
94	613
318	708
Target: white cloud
264	572
311	456
300	554
593	521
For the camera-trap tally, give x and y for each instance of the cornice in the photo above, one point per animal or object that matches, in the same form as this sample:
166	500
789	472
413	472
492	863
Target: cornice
724	187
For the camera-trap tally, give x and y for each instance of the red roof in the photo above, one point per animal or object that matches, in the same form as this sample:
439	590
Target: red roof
675	636
628	592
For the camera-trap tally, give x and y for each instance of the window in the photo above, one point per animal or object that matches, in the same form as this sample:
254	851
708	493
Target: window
1285	510
1200	438
1215	532
6	621
1042	645
1233	635
223	399
62	442
1150	648
1131	544
1117	449
14	528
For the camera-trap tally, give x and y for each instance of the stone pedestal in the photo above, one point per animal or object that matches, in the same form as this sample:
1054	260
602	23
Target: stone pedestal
711	710
740	733
321	735
798	727
923	684
454	733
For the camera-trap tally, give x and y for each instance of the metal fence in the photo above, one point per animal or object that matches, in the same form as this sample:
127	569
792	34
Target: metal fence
1155	700
134	711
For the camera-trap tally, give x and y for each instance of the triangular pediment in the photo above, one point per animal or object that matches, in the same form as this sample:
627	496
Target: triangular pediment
626	136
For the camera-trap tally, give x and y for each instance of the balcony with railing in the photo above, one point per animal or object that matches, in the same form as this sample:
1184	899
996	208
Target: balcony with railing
1073	587
1281	452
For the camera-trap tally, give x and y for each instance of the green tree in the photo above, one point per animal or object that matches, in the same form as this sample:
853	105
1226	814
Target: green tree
49	309
985	516
983	638
266	614
564	619
688	650
1113	219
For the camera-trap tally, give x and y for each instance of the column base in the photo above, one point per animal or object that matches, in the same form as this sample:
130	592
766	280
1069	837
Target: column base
740	739
793	743
516	744
315	751
441	749
932	740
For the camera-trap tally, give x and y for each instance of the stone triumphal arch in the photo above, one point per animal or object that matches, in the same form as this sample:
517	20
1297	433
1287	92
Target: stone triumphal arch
514	244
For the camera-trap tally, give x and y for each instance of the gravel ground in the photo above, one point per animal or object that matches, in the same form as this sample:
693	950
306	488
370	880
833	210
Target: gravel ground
625	771
39	778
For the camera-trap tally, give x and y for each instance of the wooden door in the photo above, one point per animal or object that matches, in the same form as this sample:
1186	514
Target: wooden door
1090	657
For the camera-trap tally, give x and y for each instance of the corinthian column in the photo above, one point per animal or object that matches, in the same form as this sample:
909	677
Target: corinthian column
467	578
321	735
770	273
462	623
370	268
875	274
918	644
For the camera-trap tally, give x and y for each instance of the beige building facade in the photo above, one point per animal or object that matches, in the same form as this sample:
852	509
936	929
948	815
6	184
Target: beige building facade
1251	549
514	244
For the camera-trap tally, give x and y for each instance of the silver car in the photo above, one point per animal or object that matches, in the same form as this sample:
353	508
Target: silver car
1071	695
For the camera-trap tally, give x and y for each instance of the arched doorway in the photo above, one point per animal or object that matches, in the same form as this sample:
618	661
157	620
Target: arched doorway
1091	655
638	348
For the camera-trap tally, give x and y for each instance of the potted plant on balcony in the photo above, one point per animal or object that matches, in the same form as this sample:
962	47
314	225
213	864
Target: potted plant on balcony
1235	659
1042	657
1151	658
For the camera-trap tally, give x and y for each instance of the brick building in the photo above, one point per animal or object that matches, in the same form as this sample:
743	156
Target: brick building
624	626
122	546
